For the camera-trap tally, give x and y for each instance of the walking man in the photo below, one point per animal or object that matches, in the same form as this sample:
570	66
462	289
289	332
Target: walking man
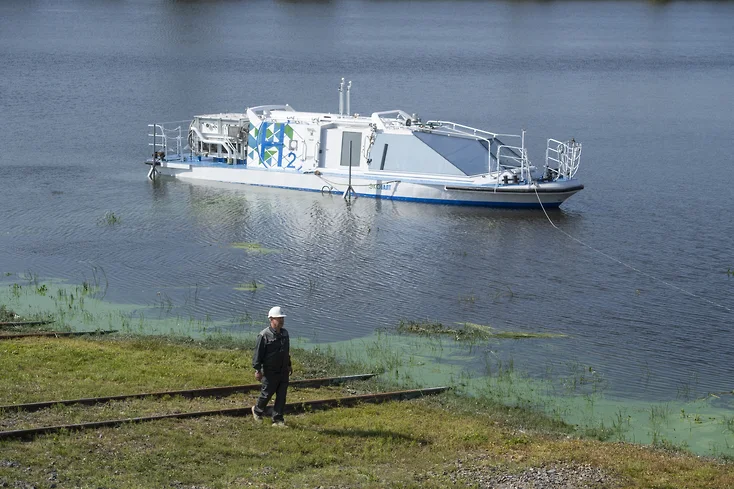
272	364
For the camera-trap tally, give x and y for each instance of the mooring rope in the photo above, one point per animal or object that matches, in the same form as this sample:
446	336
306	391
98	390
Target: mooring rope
641	272
334	184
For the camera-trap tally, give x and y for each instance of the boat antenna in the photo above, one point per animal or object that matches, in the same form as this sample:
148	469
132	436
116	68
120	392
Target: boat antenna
349	87
341	97
350	190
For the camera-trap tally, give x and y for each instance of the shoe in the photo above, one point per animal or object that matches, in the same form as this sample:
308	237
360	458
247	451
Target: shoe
279	424
255	415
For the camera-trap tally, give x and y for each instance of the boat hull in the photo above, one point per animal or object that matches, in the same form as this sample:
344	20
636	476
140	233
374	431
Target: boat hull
394	187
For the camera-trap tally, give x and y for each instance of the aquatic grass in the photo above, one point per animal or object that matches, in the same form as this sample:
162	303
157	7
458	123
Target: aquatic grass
728	423
110	219
312	285
6	315
81	307
16	290
253	248
621	424
98	284
469	299
250	287
433	329
499	294
9	316
467	331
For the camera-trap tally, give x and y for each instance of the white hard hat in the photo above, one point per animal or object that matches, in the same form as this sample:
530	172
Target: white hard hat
275	312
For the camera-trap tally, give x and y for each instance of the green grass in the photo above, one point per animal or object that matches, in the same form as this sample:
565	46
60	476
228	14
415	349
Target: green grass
115	365
430	442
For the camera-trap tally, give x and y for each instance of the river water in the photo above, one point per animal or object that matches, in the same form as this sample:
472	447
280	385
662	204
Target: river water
640	289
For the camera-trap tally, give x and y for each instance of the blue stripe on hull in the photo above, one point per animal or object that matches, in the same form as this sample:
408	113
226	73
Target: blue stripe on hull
474	203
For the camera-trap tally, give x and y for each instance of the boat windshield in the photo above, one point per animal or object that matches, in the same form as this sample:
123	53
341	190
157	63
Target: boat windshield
468	155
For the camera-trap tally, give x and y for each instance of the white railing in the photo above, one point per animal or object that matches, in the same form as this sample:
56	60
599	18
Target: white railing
566	156
513	160
223	141
460	129
169	142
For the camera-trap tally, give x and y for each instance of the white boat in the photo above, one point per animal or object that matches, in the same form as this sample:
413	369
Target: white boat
388	155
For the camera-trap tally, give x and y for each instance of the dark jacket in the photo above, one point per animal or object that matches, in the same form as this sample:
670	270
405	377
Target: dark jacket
272	352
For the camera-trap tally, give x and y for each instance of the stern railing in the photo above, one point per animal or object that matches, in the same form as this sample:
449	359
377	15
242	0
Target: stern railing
168	142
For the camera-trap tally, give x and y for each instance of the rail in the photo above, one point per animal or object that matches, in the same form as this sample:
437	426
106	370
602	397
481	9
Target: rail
187	393
513	160
465	130
25	323
53	334
291	408
566	155
168	142
517	155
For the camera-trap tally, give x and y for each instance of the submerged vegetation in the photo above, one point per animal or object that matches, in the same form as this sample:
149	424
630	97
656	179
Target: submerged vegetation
466	331
7	315
253	248
110	219
10	322
250	287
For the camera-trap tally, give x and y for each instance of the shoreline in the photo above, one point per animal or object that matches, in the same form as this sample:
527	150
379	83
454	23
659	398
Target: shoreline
429	442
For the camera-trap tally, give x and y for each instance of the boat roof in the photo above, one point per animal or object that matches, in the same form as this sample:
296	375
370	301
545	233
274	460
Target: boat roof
393	121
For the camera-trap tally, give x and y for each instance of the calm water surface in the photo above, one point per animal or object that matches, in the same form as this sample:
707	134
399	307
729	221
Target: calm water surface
647	88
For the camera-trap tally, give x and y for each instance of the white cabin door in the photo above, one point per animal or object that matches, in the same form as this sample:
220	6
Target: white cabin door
356	139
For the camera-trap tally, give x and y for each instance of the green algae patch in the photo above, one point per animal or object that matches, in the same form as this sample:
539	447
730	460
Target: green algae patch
466	331
478	327
491	332
253	248
435	329
250	286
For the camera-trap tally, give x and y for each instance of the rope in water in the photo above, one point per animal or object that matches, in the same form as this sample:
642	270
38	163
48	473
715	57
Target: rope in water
641	272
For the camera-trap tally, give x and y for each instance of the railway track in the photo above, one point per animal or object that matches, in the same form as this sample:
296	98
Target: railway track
291	408
187	393
25	323
54	334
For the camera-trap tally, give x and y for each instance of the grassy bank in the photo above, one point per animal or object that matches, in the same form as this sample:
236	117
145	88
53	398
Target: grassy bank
432	442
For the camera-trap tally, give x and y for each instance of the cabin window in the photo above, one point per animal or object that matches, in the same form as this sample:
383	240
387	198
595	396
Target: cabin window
469	156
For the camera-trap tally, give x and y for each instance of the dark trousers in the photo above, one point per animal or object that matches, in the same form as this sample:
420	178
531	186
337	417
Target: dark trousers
273	384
